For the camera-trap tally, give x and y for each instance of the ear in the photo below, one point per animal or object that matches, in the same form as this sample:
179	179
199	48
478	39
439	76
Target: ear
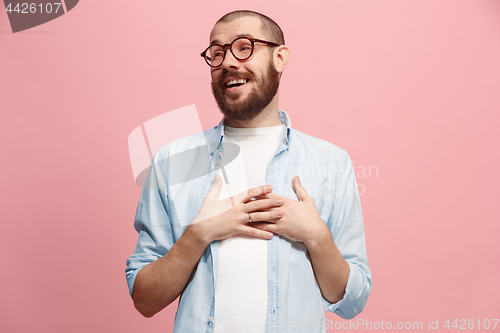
281	55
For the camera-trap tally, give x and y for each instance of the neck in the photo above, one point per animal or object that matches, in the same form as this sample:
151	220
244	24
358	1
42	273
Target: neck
266	118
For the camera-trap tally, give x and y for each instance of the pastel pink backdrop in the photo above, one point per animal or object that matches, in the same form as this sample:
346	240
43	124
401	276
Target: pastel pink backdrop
408	88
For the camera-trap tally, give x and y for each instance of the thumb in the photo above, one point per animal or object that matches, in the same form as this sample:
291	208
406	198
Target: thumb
299	189
215	190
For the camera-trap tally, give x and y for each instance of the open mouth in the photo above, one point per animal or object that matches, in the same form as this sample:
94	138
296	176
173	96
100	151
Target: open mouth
236	83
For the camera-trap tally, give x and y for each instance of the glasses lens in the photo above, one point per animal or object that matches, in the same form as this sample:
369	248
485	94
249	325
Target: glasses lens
242	48
215	55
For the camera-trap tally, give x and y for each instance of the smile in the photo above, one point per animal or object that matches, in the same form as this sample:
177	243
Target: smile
236	83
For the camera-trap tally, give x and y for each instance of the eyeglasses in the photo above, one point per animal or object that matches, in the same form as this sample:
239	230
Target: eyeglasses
241	48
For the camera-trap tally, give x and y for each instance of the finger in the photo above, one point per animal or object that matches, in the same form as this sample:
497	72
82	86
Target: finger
299	189
251	231
269	227
272	195
215	190
258	192
262	204
270	217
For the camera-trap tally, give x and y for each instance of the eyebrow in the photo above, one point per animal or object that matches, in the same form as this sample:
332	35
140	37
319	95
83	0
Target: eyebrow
216	41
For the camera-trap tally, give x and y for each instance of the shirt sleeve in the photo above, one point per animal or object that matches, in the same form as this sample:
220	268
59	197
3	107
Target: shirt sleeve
152	221
346	225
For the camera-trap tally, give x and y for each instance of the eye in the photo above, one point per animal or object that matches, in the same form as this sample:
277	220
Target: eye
216	52
243	49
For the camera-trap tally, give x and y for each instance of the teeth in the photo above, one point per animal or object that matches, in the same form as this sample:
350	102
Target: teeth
242	81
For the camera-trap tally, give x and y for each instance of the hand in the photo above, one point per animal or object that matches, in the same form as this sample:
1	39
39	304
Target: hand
300	221
218	219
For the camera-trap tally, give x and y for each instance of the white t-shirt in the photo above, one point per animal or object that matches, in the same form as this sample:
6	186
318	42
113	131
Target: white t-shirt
241	285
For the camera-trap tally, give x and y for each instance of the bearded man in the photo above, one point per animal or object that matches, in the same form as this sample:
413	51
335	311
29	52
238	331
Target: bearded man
289	246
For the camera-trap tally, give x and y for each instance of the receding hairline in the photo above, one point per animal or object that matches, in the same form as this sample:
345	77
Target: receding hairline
268	26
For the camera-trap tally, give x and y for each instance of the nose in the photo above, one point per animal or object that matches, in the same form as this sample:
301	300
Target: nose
230	62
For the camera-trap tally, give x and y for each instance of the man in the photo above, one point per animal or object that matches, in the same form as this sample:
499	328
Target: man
289	246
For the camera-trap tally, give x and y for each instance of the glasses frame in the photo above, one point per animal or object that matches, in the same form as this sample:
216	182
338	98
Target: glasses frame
230	47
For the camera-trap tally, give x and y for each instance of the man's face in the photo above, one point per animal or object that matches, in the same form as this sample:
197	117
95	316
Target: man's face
261	80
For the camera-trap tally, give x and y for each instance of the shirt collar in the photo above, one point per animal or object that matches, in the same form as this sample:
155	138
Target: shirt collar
219	131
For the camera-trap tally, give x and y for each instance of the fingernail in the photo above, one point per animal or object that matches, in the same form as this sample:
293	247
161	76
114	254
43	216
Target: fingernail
279	201
269	188
279	213
269	235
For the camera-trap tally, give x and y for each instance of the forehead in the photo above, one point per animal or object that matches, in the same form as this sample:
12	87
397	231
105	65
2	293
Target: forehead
224	33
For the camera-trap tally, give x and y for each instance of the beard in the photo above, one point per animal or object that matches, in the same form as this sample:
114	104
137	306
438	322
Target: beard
261	95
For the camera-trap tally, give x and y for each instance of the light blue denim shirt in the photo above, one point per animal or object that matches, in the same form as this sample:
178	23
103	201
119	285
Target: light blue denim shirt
295	303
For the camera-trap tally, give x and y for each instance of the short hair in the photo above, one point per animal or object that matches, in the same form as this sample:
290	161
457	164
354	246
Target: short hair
271	28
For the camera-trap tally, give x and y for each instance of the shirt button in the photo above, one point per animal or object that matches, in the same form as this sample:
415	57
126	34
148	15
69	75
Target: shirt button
209	318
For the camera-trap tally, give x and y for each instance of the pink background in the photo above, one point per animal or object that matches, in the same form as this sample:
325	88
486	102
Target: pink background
410	88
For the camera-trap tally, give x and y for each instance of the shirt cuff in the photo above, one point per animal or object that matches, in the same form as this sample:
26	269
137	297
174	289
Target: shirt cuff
134	265
354	299
130	281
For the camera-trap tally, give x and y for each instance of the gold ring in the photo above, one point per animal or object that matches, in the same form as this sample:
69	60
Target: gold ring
249	217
